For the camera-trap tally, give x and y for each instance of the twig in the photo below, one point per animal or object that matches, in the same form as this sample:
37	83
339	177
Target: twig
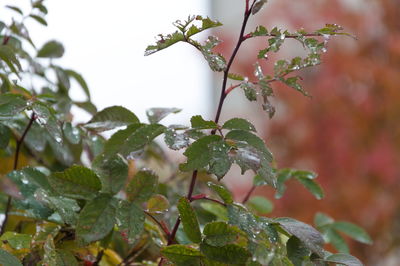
241	39
160	224
246	198
247	14
17	150
98	258
204	197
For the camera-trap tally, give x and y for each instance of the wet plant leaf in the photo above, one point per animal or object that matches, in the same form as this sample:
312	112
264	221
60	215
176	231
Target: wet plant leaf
112	172
130	219
189	220
155	115
51	49
142	186
182	255
76	182
239	123
112	117
97	218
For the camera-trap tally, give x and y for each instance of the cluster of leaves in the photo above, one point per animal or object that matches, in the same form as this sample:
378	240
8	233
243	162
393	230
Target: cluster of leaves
72	197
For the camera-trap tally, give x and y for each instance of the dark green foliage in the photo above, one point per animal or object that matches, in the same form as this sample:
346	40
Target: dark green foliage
71	196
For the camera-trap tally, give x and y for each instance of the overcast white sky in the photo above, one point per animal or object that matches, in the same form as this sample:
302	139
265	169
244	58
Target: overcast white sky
105	41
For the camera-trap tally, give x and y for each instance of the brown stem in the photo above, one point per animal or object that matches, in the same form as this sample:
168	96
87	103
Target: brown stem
247	14
204	197
246	198
98	258
17	150
161	225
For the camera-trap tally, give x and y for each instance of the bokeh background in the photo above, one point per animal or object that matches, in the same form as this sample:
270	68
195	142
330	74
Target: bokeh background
349	132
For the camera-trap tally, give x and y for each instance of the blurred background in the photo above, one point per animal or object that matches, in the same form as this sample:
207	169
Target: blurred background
348	132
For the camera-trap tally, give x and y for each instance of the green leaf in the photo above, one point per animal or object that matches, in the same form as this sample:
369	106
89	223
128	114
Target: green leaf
260	31
81	81
66	258
157	114
260	204
164	42
332	236
182	255
15	8
344	259
293	82
141	137
249	90
206	23
230	254
353	231
199	123
310	237
117	141
222	192
71	133
234	76
296	251
198	154
9	57
5	135
312	186
189	220
157	204
76	182
96	219
176	141
252	140
142	186
219	234
216	209
220	162
46	118
39	19
11	104
258	6
130	219
239	123
112	117
67	208
51	49
8	259
29	180
321	220
16	240
112	172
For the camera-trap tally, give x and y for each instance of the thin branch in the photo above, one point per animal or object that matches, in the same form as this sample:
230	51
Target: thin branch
247	14
231	88
160	224
204	197
17	151
98	258
246	198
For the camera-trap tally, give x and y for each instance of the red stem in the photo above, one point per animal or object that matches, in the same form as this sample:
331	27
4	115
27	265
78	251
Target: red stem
247	14
246	198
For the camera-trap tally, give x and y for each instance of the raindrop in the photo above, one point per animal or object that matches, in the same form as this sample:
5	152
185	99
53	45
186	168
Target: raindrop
24	181
58	139
75	131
